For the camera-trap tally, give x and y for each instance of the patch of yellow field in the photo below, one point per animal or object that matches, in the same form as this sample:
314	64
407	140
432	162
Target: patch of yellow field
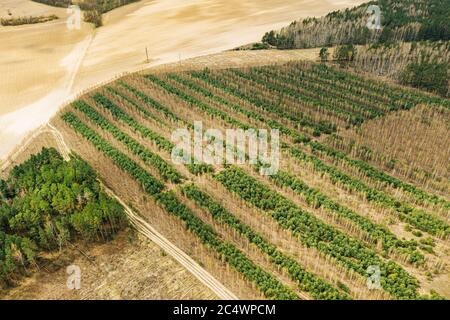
20	8
42	66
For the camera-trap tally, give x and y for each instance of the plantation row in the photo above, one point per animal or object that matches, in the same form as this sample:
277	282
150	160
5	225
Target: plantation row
140	109
299	118
353	92
167	172
214	112
401	98
205	76
269	285
318	288
248	113
265	282
350	252
194	168
330	296
373	90
195	102
309	282
356	91
419	218
416	217
318	200
378	175
198	168
118	113
150	184
291	99
376	231
303	96
314	233
371	172
154	104
367	169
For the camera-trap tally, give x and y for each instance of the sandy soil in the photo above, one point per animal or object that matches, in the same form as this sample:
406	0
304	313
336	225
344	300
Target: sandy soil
43	66
124	268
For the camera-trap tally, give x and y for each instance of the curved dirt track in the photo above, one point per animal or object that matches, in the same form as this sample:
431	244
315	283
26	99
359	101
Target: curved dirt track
148	231
201	274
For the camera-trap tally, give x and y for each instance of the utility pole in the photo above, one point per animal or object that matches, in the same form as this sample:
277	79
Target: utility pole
146	53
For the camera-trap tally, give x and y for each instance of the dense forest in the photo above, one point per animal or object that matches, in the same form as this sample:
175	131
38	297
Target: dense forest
411	46
46	203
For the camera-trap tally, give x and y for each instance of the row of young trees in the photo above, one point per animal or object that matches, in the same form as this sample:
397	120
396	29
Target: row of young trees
142	111
205	108
416	217
250	114
194	168
308	282
371	93
317	199
334	78
46	203
371	172
312	232
318	86
264	281
167	172
152	103
318	105
399	98
195	102
120	115
210	110
147	181
377	175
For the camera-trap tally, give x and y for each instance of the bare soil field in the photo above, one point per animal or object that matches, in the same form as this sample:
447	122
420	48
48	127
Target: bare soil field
125	268
44	65
412	145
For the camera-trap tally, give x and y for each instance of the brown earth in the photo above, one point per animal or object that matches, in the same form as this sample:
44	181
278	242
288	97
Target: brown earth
44	65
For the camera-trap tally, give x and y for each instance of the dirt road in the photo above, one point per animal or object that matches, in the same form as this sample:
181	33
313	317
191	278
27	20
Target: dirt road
148	231
44	65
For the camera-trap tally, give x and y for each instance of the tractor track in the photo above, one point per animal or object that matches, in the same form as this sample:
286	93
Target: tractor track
148	231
